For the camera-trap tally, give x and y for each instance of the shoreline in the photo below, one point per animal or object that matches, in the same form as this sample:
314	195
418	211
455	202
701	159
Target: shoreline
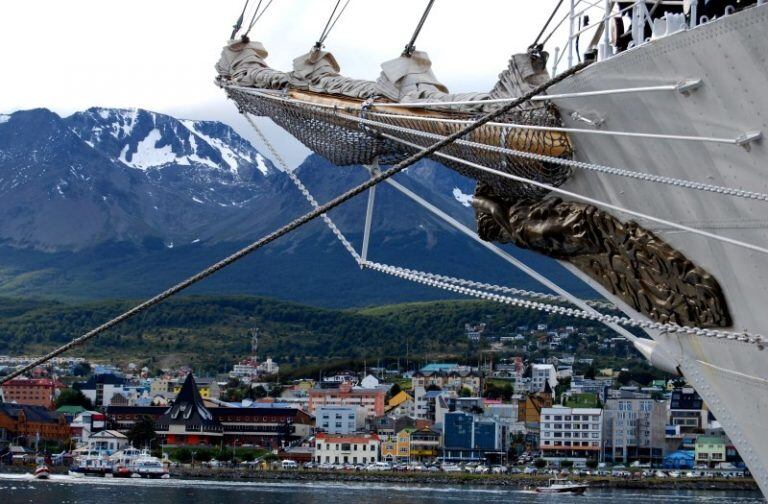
516	481
513	481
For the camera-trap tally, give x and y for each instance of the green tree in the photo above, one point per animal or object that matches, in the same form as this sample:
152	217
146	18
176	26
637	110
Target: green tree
142	433
72	397
540	463
183	455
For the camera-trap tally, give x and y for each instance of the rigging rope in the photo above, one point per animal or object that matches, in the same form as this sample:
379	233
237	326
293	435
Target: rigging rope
411	46
255	18
535	44
330	24
239	23
570	312
587	199
608	170
293	225
348	246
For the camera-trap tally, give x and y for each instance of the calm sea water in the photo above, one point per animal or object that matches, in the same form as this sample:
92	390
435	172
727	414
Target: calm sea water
63	489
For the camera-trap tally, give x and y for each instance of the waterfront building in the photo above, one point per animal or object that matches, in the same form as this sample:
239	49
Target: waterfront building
339	419
189	421
543	375
687	409
425	444
107	441
27	421
634	429
710	450
34	392
339	449
466	437
371	400
571	433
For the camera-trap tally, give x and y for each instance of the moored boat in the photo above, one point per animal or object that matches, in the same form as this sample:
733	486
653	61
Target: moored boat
563	486
147	466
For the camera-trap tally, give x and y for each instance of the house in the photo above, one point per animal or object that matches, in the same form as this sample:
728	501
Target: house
34	392
401	404
107	441
339	449
86	423
571	433
710	450
23	420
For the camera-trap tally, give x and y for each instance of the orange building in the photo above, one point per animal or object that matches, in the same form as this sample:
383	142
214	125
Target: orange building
21	420
35	392
345	395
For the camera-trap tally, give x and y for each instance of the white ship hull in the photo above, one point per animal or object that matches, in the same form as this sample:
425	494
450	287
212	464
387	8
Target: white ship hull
730	56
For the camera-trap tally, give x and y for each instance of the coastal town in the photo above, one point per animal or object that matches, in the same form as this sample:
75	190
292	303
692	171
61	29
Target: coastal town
512	416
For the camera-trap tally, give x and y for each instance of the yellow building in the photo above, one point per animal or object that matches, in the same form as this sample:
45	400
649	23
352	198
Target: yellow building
404	444
389	449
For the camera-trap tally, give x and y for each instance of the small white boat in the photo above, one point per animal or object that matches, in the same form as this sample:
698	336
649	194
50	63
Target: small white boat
563	486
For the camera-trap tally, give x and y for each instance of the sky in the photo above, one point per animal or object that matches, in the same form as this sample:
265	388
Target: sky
159	54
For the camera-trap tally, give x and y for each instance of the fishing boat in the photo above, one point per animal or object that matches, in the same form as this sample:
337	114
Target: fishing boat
562	486
634	157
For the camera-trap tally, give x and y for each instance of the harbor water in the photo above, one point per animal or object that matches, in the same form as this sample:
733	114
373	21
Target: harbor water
65	489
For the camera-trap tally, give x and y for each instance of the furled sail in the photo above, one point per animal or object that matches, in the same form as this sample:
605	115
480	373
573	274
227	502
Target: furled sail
328	112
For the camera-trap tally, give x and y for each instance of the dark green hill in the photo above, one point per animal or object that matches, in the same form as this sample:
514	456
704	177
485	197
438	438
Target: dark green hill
211	333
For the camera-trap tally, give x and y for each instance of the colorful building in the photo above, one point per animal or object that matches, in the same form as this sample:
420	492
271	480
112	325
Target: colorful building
22	420
425	444
710	450
372	400
34	392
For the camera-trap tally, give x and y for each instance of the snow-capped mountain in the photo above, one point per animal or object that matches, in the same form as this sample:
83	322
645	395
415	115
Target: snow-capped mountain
119	203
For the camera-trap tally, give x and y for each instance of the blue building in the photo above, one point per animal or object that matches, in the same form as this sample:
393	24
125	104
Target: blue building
466	437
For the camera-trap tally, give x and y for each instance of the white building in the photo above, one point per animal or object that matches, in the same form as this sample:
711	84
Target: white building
541	374
333	449
571	433
107	441
339	419
369	382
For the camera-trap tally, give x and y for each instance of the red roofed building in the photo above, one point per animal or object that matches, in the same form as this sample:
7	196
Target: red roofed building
354	449
345	395
34	392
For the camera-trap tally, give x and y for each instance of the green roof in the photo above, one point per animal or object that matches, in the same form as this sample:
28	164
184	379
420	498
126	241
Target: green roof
713	440
70	410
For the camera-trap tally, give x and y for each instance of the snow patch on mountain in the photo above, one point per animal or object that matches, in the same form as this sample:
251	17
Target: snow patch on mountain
4	118
147	153
464	199
227	153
